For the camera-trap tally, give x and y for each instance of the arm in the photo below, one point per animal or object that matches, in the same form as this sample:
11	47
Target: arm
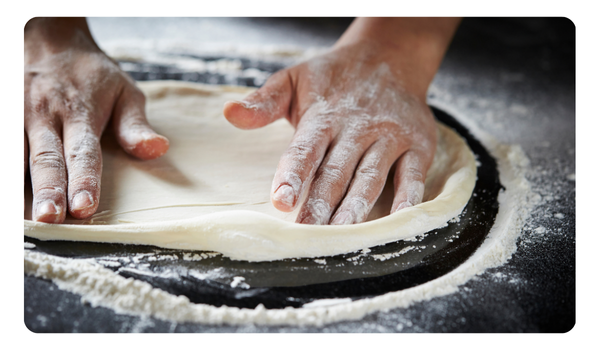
415	46
359	111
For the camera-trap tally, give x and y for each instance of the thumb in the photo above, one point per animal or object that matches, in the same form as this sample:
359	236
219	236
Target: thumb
133	131
263	106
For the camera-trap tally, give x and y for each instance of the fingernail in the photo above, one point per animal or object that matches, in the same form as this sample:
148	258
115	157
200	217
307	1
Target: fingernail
285	194
247	105
47	210
82	200
243	103
343	218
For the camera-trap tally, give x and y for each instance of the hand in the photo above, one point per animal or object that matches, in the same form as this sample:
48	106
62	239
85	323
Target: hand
71	90
354	119
358	110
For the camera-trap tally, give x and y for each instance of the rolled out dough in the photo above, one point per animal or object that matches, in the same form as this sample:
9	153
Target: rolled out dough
211	190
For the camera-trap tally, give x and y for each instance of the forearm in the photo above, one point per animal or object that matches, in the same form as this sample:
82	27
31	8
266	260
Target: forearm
414	47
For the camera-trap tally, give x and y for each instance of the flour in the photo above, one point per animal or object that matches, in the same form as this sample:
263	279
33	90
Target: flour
383	257
102	287
162	200
239	282
198	256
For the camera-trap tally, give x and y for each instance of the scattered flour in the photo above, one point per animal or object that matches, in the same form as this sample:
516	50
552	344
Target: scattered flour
100	286
383	257
42	319
455	219
199	256
239	281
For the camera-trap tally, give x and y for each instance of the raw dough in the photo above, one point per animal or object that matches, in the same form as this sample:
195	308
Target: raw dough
211	190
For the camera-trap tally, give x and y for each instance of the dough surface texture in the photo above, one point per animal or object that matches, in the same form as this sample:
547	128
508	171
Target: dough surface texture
211	190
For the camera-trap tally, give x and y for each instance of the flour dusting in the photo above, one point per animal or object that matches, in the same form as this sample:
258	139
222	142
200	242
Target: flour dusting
102	287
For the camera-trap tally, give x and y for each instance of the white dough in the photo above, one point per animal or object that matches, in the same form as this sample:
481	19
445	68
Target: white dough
211	190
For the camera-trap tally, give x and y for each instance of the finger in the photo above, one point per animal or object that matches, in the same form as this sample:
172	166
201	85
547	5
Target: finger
48	174
264	106
409	179
26	162
133	131
367	184
331	181
84	167
300	161
26	147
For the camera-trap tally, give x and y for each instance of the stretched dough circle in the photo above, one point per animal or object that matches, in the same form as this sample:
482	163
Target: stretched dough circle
211	191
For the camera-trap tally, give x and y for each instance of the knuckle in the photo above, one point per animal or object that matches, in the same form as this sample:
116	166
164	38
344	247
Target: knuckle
47	191
40	106
414	174
89	182
48	159
85	149
79	111
332	172
82	154
80	118
301	149
370	173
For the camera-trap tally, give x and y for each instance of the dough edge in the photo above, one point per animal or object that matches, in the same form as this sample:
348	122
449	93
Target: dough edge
252	236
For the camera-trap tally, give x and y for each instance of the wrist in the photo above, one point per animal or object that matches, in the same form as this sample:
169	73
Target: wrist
412	75
412	47
56	34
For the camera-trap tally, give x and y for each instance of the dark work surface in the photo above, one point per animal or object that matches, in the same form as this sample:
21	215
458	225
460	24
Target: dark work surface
515	79
439	252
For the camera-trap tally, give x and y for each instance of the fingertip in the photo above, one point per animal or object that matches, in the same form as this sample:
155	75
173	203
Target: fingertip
48	212
83	205
284	198
149	146
401	206
342	218
243	115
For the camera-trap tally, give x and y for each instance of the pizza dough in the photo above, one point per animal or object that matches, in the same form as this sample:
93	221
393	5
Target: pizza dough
211	190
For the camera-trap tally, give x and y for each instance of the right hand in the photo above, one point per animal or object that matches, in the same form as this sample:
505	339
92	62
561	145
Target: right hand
71	91
356	118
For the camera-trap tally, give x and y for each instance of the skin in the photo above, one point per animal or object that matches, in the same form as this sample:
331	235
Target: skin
72	90
359	111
